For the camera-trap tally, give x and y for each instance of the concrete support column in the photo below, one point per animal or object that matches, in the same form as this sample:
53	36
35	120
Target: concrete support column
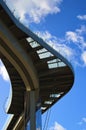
32	111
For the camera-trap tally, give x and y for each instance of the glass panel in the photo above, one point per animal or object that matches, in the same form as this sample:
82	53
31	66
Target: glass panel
56	95
42	51
49	102
61	64
29	39
43	108
34	44
55	63
45	55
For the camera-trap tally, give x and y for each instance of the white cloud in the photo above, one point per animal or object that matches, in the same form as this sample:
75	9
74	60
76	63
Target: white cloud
76	40
82	122
81	30
58	44
3	72
84	119
81	17
33	10
57	126
72	46
83	57
77	37
72	36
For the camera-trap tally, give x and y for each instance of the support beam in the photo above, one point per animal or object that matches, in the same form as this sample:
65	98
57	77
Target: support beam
32	111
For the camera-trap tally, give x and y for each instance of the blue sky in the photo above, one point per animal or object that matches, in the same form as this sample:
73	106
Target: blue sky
63	25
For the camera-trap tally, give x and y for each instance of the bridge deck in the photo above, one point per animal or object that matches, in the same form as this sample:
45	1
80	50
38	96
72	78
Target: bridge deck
54	73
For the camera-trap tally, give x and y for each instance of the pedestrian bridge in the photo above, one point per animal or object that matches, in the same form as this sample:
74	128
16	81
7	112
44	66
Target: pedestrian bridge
33	66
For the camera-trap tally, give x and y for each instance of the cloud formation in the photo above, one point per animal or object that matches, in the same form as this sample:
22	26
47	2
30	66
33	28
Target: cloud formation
57	126
33	10
83	121
82	17
83	56
72	46
58	44
3	72
76	39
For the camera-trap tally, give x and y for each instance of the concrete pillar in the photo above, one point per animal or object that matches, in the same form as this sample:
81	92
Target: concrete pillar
32	111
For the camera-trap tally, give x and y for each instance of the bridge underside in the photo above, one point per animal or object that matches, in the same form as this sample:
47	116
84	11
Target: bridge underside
32	66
